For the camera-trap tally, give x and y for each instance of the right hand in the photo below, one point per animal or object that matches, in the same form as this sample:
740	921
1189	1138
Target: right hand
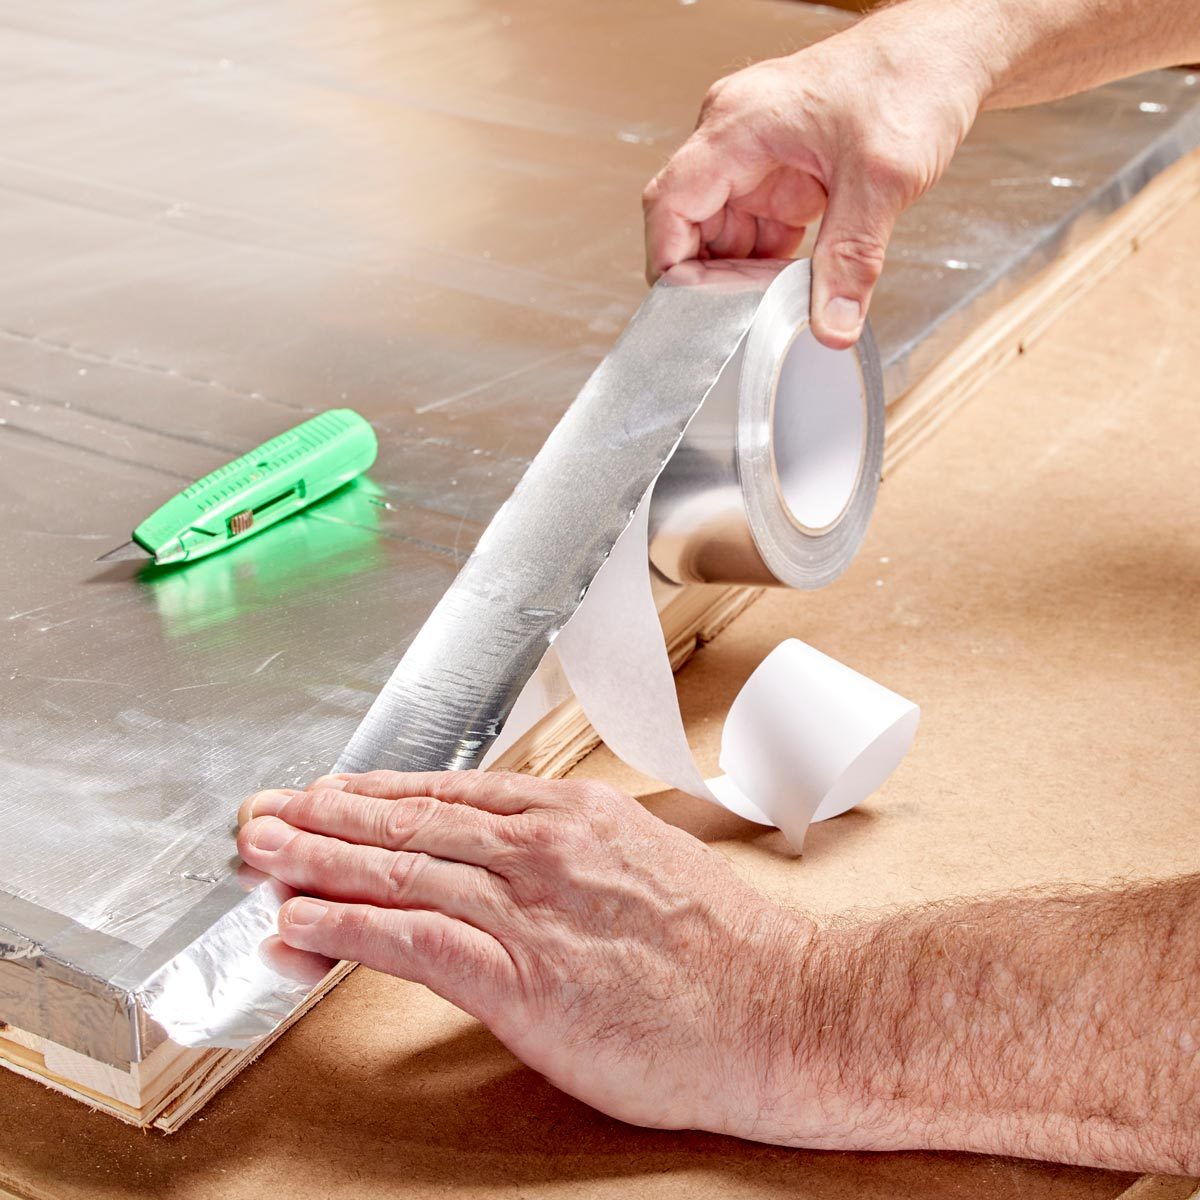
852	130
614	953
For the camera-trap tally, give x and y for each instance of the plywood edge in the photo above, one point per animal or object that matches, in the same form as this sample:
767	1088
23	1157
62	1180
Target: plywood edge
163	1090
19	1057
193	1095
919	412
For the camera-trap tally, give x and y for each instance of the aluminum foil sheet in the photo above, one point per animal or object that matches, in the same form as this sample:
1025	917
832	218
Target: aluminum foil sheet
218	221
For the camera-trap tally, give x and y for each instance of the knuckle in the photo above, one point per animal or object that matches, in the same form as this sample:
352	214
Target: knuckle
395	830
431	941
494	778
740	92
403	819
435	782
473	787
711	102
719	92
544	841
353	926
593	794
864	252
312	802
513	780
889	169
403	873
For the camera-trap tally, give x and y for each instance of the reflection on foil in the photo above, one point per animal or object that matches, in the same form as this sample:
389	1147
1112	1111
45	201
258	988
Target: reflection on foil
237	970
338	537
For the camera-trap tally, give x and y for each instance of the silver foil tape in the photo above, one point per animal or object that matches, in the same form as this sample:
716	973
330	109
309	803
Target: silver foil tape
702	330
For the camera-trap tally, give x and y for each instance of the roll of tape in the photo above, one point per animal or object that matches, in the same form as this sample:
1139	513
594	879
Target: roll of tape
773	482
775	479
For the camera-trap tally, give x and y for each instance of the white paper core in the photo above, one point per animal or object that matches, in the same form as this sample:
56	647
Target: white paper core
819	431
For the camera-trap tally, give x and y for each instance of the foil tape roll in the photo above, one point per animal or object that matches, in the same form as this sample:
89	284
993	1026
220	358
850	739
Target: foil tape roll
774	482
775	479
732	331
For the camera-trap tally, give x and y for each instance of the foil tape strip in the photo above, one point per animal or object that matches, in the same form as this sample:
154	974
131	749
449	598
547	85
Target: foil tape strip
455	687
774	482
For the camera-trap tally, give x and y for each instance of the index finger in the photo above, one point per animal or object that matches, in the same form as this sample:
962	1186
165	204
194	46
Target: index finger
686	192
501	792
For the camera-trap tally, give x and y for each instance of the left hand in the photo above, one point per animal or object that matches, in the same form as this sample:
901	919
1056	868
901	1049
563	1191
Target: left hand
850	130
615	954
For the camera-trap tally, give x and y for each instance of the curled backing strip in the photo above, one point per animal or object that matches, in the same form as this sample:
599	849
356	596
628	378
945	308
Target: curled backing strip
805	739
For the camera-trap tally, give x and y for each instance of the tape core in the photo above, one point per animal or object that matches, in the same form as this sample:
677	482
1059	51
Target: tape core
819	432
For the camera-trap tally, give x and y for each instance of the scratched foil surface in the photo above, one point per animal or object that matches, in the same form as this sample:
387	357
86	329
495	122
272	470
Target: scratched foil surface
219	221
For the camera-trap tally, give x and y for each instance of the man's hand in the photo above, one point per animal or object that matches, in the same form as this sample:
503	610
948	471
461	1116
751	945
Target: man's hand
855	128
851	130
615	954
626	962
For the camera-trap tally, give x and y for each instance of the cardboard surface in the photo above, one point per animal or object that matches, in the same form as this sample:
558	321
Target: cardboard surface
1038	599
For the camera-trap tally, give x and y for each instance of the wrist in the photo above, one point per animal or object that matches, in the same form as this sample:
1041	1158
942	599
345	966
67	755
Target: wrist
963	44
810	1050
851	1076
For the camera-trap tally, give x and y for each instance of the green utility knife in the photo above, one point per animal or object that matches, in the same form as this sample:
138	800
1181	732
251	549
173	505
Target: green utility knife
281	477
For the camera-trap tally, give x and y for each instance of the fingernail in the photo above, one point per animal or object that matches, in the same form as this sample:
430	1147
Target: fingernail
271	834
334	781
843	315
305	912
270	804
263	804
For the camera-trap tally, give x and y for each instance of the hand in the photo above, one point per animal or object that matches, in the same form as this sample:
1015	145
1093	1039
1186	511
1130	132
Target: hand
851	130
626	962
613	953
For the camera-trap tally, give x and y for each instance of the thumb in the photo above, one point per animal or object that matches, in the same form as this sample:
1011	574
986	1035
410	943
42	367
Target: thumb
847	261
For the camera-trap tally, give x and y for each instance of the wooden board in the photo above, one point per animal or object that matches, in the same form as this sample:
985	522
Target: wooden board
167	1089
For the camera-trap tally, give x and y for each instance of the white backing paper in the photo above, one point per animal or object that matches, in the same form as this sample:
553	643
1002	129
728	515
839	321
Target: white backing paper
806	738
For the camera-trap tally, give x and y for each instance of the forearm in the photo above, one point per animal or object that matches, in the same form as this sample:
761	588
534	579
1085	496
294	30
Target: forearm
1029	51
1062	1028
